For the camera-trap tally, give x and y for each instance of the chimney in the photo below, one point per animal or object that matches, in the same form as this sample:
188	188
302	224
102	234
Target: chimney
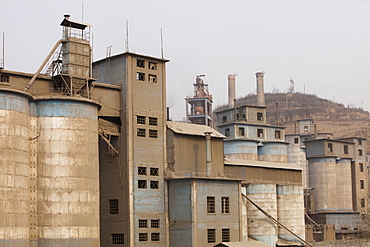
260	89
208	153
231	80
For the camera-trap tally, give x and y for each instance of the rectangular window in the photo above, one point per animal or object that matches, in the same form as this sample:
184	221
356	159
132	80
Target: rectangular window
211	235
225	235
296	140
359	142
330	147
153	133
227	132
224	119
153	121
140	119
277	134
141	132
211	209
154	184
259	116
152	66
113	206
241	131
361	167
141	184
143	223
237	116
152	78
225	205
360	152
259	133
143	237
154	223
362	202
305	129
140	76
244	117
140	63
154	171
4	78
118	238
141	170
362	184
154	236
345	149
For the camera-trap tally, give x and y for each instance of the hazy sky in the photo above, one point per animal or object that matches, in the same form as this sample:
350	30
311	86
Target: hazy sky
324	44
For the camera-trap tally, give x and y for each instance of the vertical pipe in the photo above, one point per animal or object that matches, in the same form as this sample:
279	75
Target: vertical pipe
231	91
260	89
314	131
168	113
235	118
277	113
208	153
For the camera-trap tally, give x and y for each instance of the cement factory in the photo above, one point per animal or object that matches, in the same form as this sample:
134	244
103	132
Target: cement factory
89	157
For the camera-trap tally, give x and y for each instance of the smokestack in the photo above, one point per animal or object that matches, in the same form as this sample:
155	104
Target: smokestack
260	89
208	153
231	80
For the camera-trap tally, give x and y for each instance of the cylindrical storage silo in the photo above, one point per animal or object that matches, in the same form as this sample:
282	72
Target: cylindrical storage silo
344	185
273	151
259	226
68	172
240	149
14	168
290	211
323	180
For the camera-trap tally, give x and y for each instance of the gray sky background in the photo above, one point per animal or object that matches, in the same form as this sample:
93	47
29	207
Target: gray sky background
324	44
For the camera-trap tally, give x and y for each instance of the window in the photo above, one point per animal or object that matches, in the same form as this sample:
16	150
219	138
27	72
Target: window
227	132
296	140
153	133
4	78
118	238
237	116
153	121
141	184
141	132
359	142
113	206
140	63
152	66
154	171
362	184
154	184
140	76
361	167
244	117
225	235
154	223
211	209
140	119
155	236
277	134
345	149
152	78
360	152
305	129
330	147
143	237
143	223
259	116
224	119
211	235
260	133
241	131
362	202
225	205
141	170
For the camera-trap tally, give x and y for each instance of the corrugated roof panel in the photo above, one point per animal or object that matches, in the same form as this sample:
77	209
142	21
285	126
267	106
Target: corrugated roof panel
192	129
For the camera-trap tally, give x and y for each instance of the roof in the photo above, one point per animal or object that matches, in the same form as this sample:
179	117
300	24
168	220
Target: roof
129	53
75	24
249	243
192	129
263	164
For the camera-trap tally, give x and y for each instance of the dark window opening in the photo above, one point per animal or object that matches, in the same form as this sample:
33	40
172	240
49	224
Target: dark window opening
361	167
211	208
260	133
362	202
141	184
140	76
259	116
211	235
152	66
277	134
153	133
152	78
140	119
153	121
154	184
330	147
141	132
143	237
154	236
154	171
143	223
118	238
296	140
345	149
241	131
362	184
227	132
141	170
360	152
225	235
359	142
4	78
224	119
140	63
154	223
113	206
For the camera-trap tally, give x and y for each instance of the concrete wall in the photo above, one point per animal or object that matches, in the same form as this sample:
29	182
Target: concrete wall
273	151
240	149
297	154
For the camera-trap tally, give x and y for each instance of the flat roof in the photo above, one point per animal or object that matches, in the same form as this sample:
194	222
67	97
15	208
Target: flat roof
262	164
192	129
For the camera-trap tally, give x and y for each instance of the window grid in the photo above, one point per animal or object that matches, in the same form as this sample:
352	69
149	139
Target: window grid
241	131
143	223
225	209
143	237
153	133
225	235
141	132
153	121
154	223
141	170
140	76
152	66
4	78
141	184
211	209
118	238
152	78
259	116
154	236
211	235
113	206
140	119
154	184
154	171
140	63
360	152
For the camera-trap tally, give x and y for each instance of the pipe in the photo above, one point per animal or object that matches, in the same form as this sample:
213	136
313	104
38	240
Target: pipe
208	153
260	89
43	65
235	118
231	91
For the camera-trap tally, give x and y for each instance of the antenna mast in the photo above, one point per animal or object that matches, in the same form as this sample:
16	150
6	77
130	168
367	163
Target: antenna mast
2	61
161	43
127	49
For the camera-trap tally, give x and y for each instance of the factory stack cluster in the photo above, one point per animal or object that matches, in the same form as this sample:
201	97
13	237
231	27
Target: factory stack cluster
90	158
